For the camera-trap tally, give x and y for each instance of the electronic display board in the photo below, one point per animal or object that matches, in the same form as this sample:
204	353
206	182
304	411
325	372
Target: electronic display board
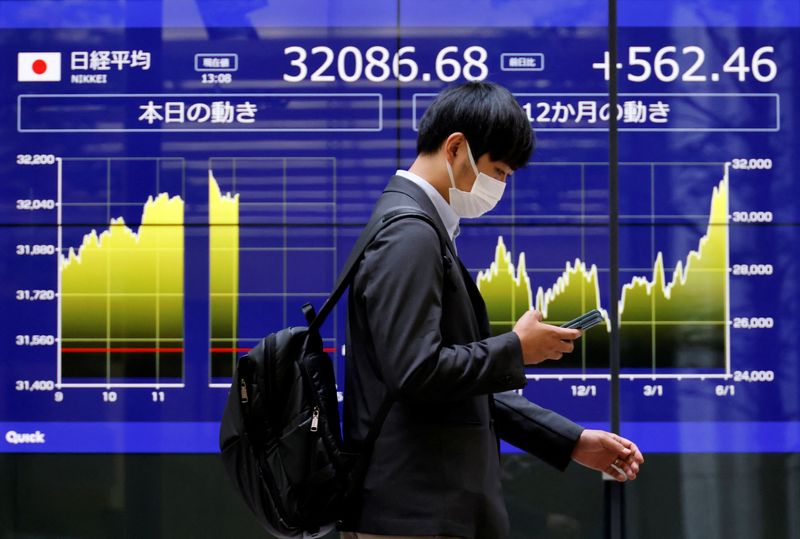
178	181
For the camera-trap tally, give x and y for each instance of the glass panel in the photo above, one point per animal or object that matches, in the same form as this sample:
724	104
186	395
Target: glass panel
180	176
708	221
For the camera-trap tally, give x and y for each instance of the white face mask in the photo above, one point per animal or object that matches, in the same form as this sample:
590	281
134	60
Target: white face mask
486	192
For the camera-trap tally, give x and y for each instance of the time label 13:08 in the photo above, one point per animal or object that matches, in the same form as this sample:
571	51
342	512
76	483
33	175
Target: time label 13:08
377	64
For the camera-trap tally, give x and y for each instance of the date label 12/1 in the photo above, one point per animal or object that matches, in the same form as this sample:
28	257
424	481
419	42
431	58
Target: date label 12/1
580	390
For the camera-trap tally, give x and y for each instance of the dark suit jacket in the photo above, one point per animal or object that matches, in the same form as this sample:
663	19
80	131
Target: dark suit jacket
418	331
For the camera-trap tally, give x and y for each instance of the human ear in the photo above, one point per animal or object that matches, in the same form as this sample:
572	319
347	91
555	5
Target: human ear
452	145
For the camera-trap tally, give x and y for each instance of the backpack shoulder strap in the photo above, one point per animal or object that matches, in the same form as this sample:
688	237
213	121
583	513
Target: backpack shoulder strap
315	320
358	472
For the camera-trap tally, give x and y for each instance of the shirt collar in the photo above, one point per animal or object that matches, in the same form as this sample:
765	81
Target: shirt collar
446	213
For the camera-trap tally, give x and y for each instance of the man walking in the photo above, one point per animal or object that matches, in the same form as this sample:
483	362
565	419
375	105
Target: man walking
419	344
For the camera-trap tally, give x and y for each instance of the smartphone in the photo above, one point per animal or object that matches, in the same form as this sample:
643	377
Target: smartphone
585	321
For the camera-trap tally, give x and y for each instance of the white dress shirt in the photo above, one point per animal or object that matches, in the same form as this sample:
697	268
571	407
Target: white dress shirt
449	217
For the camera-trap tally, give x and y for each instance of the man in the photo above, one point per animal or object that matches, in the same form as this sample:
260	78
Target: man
419	344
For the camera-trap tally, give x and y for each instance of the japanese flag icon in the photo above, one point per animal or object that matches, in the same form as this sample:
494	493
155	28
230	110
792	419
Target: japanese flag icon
39	66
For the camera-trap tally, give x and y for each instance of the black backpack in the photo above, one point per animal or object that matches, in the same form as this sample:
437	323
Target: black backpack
280	434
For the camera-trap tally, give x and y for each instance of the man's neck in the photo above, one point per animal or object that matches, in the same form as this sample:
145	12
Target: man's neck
429	169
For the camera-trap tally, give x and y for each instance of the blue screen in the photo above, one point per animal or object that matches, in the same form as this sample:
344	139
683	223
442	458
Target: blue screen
180	177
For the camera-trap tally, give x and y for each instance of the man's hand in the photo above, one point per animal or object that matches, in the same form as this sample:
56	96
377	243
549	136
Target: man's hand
608	452
542	341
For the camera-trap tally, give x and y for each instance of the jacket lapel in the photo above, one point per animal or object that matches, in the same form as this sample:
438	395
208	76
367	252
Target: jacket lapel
478	305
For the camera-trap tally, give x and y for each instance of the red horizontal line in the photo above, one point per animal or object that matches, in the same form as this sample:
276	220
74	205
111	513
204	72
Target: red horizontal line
120	350
231	350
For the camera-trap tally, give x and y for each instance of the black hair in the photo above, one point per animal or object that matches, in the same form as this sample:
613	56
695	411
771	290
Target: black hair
490	118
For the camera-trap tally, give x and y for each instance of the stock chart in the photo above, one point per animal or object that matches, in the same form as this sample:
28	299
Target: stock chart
177	186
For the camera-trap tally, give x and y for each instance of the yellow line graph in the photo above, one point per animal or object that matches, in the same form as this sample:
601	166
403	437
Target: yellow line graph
695	296
223	215
124	286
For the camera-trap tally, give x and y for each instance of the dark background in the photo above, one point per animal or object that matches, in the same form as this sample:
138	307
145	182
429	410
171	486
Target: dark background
701	495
